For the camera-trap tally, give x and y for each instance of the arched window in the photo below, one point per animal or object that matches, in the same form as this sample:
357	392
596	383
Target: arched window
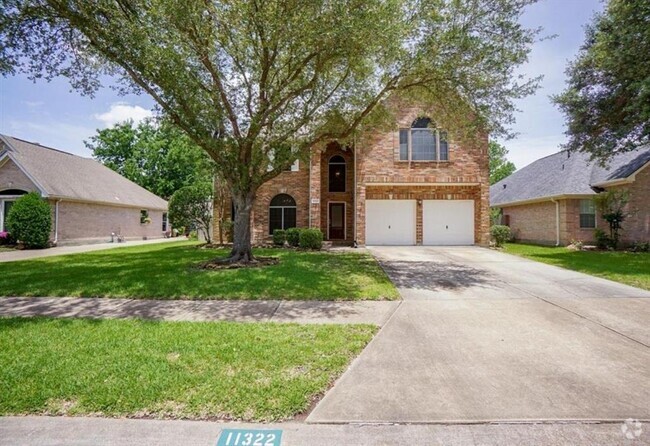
423	142
282	213
337	174
12	192
7	198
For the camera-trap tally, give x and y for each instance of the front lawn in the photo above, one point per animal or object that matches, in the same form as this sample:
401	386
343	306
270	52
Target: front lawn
199	370
168	271
630	268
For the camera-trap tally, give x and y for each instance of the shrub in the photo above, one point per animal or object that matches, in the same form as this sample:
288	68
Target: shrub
311	239
501	234
30	221
279	237
293	236
641	247
602	239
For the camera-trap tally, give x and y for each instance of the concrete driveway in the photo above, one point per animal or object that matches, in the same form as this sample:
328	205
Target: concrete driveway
486	336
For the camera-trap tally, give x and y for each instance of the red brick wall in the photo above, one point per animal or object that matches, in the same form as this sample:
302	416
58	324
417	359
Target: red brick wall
346	197
533	222
378	162
637	226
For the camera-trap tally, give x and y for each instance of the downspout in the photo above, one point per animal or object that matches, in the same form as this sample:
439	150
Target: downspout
557	221
56	221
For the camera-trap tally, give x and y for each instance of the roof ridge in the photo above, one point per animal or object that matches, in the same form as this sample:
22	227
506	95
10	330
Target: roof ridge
38	144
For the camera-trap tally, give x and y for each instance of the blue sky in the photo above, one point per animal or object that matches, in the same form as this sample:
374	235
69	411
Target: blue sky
49	113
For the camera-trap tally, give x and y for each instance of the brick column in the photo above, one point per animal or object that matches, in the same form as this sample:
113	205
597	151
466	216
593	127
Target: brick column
315	189
418	222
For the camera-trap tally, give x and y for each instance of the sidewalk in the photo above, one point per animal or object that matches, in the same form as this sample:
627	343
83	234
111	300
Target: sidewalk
28	254
38	431
302	312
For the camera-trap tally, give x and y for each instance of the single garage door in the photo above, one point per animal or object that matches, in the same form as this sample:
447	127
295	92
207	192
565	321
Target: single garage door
448	222
390	222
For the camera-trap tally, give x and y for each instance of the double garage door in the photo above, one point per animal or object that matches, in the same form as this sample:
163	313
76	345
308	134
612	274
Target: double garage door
444	222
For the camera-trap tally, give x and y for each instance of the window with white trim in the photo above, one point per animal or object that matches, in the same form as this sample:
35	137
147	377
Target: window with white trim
7	199
587	214
282	213
164	222
423	142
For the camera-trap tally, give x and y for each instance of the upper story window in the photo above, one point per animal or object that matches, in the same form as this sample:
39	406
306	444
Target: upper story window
587	214
422	142
337	174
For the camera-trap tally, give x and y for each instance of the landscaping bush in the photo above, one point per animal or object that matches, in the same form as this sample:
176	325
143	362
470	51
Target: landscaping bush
501	234
279	237
311	239
602	239
293	236
641	247
30	221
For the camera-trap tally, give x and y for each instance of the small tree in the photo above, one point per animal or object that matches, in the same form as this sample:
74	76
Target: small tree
192	206
612	205
500	167
30	221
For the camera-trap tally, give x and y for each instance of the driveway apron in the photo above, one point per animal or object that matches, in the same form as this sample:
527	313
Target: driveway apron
483	336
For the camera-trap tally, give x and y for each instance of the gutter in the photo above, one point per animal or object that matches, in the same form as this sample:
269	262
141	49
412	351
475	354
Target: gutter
557	221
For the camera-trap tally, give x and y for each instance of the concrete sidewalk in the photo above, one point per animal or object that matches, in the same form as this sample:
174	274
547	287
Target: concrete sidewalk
302	312
29	254
39	431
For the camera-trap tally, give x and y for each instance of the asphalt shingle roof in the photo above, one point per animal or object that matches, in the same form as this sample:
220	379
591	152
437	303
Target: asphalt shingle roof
564	173
64	175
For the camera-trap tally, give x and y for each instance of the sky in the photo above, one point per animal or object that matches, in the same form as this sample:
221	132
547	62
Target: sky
53	115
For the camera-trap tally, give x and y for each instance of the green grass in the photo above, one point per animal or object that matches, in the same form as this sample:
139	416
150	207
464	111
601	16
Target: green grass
5	249
630	268
198	370
168	271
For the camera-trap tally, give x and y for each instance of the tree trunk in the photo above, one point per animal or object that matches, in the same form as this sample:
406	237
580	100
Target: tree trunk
241	246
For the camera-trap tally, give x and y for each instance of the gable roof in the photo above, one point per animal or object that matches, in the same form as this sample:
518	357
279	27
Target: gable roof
63	175
565	173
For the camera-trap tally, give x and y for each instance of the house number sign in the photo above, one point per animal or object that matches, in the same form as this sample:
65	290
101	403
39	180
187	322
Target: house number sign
250	437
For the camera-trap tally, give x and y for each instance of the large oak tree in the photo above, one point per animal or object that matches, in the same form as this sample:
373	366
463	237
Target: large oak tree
607	99
258	83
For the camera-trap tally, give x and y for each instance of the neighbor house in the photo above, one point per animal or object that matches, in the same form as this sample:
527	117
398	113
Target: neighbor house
409	186
90	202
551	200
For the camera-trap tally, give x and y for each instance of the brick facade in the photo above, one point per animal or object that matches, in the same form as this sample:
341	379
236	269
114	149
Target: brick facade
379	174
81	223
637	226
535	222
11	177
295	184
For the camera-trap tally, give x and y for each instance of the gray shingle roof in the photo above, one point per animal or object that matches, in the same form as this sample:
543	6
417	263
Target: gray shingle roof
64	175
564	174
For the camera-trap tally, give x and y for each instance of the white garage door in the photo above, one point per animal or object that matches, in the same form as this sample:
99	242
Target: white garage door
390	222
448	222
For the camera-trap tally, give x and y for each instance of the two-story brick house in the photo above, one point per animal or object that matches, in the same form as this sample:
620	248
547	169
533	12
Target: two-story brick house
409	186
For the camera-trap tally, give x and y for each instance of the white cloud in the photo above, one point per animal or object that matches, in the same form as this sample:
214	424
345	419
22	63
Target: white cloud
120	112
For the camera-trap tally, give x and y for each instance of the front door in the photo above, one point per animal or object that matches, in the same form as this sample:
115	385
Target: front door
337	221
